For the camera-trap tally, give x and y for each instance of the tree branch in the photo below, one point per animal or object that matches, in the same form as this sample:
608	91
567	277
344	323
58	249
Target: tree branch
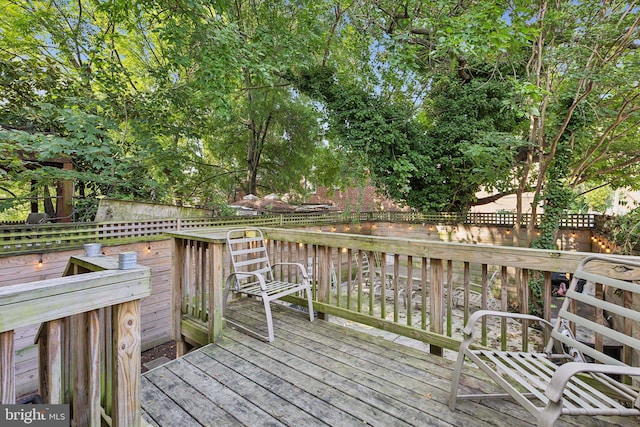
490	199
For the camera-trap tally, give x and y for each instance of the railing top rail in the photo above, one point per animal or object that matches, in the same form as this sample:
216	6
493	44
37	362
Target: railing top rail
535	259
44	300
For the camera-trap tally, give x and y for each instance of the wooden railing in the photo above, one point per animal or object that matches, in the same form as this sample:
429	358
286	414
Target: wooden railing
413	273
44	237
89	339
416	289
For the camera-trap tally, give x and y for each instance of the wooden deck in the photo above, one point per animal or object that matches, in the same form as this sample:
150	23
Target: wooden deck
319	374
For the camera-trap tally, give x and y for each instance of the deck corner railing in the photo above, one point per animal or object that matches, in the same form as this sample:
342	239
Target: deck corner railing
89	339
417	288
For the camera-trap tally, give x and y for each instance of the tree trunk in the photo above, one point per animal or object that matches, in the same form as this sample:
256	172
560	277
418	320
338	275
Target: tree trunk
34	197
48	204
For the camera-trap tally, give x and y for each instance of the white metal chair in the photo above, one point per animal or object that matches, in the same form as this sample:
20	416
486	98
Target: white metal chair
475	297
372	278
312	272
253	275
558	381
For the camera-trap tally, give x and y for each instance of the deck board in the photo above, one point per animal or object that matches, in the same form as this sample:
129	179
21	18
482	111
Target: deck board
318	374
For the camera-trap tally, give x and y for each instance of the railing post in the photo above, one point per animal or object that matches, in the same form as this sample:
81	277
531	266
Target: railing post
177	294
86	371
324	280
126	365
524	306
50	362
546	297
7	369
216	261
437	282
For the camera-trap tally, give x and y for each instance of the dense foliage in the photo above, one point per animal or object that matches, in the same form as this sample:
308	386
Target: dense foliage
425	166
625	231
195	101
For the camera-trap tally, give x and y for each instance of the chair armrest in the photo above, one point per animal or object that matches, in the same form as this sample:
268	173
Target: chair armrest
473	319
564	373
259	276
297	264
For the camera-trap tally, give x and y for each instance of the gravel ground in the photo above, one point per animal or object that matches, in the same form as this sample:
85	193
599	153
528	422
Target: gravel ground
167	350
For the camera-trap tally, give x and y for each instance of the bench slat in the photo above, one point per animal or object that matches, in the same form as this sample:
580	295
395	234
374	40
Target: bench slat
601	329
586	349
605	305
533	371
609	281
530	377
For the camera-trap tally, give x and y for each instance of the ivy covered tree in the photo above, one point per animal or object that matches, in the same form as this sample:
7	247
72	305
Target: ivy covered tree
436	159
552	62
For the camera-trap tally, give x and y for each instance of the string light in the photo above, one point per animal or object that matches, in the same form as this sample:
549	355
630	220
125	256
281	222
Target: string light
148	246
40	261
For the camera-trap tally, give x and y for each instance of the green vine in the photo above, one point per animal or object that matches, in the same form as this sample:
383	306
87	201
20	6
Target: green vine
557	198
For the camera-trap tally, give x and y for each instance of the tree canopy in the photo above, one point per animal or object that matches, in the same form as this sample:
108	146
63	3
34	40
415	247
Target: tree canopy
191	101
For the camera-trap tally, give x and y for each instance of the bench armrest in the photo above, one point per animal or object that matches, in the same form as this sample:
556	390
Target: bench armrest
478	315
564	373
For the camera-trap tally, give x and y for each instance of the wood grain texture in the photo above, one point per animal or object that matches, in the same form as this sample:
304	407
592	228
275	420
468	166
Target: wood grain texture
126	365
215	290
178	268
538	259
86	368
319	373
37	302
50	362
7	368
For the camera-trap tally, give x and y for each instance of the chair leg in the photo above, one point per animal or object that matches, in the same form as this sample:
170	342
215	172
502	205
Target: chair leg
227	285
548	416
267	312
310	302
455	379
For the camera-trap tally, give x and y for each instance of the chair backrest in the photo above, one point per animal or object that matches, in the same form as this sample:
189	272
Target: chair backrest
369	272
492	302
248	252
312	271
366	265
614	278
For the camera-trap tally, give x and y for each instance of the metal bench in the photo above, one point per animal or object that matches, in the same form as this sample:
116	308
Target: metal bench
570	377
253	275
475	297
